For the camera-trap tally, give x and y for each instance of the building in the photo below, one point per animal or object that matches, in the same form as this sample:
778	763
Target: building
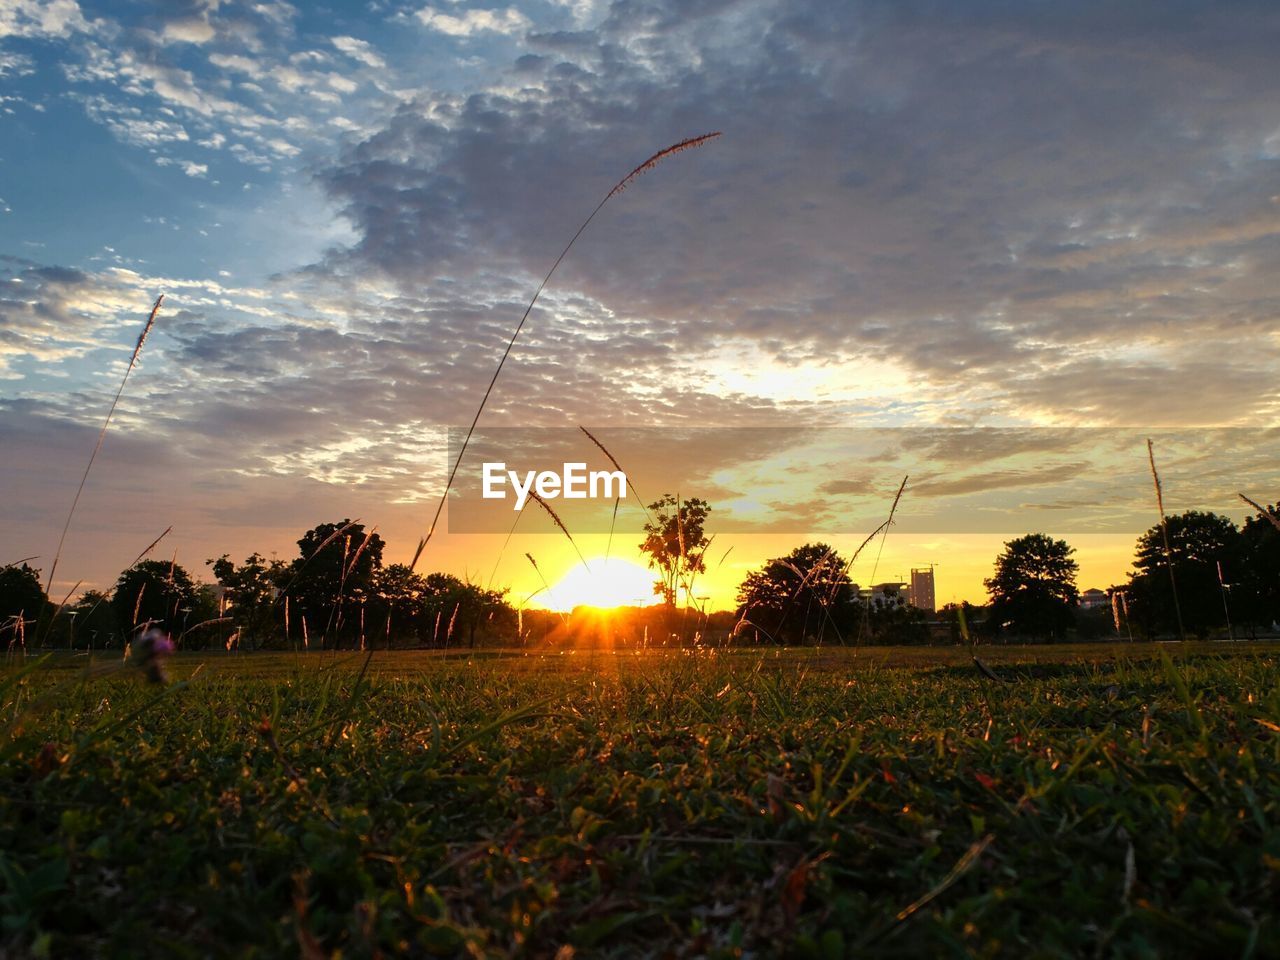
880	594
920	595
1093	599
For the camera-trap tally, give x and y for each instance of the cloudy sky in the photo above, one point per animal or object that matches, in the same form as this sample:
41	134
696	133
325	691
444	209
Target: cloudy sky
920	218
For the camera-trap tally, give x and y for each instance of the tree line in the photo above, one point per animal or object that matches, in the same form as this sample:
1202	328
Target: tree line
337	593
1213	577
1195	575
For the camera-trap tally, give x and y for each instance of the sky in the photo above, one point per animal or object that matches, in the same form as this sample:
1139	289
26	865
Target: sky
989	246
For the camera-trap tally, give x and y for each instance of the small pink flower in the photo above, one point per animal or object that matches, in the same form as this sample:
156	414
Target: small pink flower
150	652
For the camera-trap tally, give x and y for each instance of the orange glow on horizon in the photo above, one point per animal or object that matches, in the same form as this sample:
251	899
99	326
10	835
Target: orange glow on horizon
962	561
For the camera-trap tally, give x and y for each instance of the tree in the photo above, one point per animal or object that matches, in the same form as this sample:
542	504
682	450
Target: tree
890	619
401	597
676	543
1033	592
457	609
965	622
332	579
1255	587
154	591
249	595
804	595
22	602
1198	543
96	623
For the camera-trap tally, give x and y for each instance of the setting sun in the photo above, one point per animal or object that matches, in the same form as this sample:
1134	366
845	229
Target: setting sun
603	582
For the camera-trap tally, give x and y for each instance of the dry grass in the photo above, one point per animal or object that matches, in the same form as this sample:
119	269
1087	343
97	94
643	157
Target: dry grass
1263	511
101	435
1164	533
559	523
133	361
616	189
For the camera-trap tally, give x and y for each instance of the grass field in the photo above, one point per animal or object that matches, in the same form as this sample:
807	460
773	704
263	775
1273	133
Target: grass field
1107	800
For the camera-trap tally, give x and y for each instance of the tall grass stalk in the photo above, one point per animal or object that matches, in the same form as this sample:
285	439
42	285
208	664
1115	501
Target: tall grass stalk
893	508
340	531
617	466
1164	533
133	360
617	189
617	501
505	543
683	577
545	586
559	523
136	560
1267	515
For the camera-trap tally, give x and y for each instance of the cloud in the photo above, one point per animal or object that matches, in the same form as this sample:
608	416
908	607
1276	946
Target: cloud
50	314
1033	215
139	75
130	124
359	50
472	22
251	90
196	30
942	485
15	65
238	63
190	168
278	11
41	18
842	487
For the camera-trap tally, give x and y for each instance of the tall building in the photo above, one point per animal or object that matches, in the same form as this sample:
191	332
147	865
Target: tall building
921	595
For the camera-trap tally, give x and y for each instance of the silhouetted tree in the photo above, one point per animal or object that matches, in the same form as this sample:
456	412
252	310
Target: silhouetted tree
1033	592
401	609
964	618
805	595
890	619
22	603
434	610
675	542
456	610
155	591
332	578
1198	543
97	625
250	594
1095	624
1255	587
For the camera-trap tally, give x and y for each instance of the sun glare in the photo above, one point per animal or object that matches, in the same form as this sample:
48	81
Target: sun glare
603	582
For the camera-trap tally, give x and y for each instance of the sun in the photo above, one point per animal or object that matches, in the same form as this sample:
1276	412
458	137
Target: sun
603	582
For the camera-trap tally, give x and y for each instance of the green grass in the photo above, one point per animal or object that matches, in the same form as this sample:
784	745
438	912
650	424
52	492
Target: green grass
1109	801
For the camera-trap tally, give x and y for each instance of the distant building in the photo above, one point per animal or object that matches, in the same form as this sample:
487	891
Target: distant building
880	593
1093	599
920	595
